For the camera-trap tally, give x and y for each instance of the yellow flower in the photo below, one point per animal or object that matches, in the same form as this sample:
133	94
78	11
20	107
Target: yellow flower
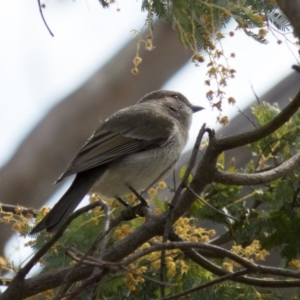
236	248
184	267
171	267
44	210
227	266
135	71
18	209
211	232
137	60
145	245
231	100
152	192
204	239
161	185
156	264
193	239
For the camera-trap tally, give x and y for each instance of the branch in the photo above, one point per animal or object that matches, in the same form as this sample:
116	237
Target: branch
209	266
207	284
254	268
18	210
98	244
216	270
222	239
43	18
211	206
90	260
252	136
153	226
258	178
188	245
203	176
19	278
190	165
169	216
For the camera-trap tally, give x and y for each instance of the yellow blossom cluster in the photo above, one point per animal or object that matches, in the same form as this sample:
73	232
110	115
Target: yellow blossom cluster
132	280
44	210
20	221
172	265
189	232
122	231
173	262
47	295
96	197
148	46
223	120
131	198
251	253
294	264
218	74
253	249
153	191
4	265
111	202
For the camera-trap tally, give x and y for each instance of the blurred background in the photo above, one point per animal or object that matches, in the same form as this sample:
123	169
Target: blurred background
54	90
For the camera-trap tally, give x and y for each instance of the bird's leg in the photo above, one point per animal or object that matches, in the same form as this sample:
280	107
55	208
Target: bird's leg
122	201
139	196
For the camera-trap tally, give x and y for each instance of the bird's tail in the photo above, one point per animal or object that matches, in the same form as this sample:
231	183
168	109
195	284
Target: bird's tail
69	201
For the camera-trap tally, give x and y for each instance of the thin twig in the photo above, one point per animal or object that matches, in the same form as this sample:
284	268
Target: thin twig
90	260
190	165
216	270
173	203
163	264
254	93
88	283
25	270
252	136
55	237
174	180
43	18
211	206
188	245
241	112
66	284
207	284
93	279
222	239
255	126
100	243
18	210
253	267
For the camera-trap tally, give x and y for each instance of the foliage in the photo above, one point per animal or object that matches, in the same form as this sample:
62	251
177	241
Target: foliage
268	220
198	21
201	26
254	221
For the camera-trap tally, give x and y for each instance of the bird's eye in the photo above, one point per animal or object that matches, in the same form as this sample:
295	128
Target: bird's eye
175	96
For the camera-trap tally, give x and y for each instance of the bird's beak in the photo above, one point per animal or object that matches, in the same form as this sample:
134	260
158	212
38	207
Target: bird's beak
196	108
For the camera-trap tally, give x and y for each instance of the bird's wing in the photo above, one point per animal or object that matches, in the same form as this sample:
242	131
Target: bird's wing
128	131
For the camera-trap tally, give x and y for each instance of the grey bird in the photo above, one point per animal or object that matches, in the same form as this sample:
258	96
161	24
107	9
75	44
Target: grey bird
135	147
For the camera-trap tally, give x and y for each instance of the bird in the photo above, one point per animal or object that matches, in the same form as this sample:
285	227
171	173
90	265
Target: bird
132	149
